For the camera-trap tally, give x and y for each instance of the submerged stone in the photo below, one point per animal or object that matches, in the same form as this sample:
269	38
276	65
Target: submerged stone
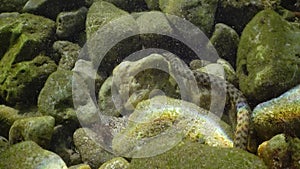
37	129
196	155
55	99
8	116
268	57
12	5
24	80
278	115
29	155
115	163
160	123
199	12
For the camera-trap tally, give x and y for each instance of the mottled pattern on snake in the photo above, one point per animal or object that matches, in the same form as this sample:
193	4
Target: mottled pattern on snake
236	97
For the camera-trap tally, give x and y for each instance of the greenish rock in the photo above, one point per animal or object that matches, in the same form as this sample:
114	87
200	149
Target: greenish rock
237	13
279	115
37	129
281	151
70	23
268	57
134	81
199	12
152	4
115	163
99	14
62	143
12	5
105	102
55	99
158	124
225	40
51	8
23	37
80	166
275	152
28	155
195	155
4	144
67	54
8	116
129	5
24	80
90	150
116	35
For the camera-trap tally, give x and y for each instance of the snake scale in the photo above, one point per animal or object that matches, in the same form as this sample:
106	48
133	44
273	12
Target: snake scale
243	111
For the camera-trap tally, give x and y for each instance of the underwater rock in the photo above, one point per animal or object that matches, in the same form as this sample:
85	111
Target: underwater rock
4	144
196	155
281	151
90	150
62	143
268	57
55	98
12	5
225	40
8	116
51	8
37	129
278	115
29	155
23	37
105	101
69	23
24	80
67	53
80	166
200	12
134	81
160	123
128	5
153	4
114	39
115	163
237	14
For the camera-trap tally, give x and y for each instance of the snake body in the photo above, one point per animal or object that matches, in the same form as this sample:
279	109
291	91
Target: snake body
243	111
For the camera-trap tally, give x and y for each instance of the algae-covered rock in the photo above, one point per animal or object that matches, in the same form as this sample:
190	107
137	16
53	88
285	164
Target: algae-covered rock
80	166
160	123
37	129
134	81
62	143
129	5
55	98
99	14
90	150
8	116
196	155
274	152
24	80
282	151
115	37
23	37
238	13
70	23
115	163
11	5
268	56
29	155
225	40
51	8
67	53
152	4
278	115
199	12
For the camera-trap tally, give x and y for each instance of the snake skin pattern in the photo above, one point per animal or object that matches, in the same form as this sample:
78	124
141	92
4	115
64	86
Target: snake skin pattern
243	111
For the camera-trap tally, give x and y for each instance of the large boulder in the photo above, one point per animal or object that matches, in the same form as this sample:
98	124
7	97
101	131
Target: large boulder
29	155
196	155
268	57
